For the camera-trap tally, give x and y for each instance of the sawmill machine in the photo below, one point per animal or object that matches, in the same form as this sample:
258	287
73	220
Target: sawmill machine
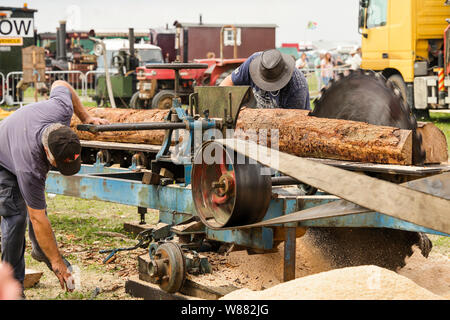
211	189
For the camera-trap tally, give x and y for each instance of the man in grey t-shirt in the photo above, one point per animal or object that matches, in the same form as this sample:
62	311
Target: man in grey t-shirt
32	139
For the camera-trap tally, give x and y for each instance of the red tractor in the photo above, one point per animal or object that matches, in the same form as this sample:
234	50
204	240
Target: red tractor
156	86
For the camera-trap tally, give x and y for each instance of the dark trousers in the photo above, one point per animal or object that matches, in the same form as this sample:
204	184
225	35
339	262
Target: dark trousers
14	219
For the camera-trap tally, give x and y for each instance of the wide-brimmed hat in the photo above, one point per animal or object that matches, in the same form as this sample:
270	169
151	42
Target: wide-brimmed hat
272	70
66	149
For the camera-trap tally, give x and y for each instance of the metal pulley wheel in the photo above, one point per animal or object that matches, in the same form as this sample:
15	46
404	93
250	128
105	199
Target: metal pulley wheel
227	190
168	267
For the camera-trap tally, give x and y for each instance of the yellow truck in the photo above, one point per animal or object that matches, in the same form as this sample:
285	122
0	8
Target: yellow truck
407	41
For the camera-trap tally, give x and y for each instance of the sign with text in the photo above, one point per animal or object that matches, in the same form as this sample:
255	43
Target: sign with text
11	41
17	27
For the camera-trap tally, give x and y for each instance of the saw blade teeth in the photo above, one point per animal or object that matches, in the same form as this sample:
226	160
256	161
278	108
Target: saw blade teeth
316	101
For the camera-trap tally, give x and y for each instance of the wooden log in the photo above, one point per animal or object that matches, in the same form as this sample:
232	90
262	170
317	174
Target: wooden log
115	115
433	142
306	136
299	134
32	277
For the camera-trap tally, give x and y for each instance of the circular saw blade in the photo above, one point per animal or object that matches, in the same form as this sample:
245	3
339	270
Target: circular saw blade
367	96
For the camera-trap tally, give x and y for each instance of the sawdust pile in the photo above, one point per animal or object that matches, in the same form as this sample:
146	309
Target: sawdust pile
353	283
432	273
261	271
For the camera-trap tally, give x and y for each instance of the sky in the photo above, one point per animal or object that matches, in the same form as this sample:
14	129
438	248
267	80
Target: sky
336	19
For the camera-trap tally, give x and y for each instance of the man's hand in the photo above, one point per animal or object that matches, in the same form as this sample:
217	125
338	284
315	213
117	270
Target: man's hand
94	120
64	276
46	240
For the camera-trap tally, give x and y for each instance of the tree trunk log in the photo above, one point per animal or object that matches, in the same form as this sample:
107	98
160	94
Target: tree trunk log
115	115
298	133
433	142
307	136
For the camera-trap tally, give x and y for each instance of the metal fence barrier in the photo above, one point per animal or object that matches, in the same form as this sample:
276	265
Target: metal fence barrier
90	84
19	96
85	84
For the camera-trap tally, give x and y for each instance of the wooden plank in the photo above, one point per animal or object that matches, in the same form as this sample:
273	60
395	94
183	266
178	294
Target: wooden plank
385	168
191	287
148	291
135	228
120	146
32	277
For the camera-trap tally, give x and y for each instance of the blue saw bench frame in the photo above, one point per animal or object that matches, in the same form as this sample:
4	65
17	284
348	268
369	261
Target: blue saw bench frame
175	204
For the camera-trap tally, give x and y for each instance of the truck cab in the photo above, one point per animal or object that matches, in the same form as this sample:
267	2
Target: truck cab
404	40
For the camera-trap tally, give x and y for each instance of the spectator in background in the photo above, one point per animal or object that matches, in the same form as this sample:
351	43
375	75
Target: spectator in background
317	62
302	62
326	69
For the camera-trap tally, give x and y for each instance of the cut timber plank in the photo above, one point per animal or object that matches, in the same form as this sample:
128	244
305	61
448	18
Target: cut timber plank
32	277
135	228
148	291
190	287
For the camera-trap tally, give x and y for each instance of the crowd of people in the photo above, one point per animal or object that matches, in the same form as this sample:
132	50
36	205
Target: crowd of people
325	64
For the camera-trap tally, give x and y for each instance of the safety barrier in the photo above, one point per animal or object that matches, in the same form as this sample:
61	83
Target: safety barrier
85	83
90	83
18	96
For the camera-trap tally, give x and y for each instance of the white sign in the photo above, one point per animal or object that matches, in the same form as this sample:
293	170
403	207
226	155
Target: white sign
17	27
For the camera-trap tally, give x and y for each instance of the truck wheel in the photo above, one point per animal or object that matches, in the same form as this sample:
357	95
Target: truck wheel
163	100
137	103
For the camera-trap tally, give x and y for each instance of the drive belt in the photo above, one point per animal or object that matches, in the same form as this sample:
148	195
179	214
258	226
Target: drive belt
424	202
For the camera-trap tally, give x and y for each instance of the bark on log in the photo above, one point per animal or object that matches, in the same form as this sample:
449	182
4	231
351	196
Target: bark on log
121	116
307	136
299	134
434	142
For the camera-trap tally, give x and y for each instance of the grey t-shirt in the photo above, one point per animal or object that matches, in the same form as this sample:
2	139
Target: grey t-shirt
21	149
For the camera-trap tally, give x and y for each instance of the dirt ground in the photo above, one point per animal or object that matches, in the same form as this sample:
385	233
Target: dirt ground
256	272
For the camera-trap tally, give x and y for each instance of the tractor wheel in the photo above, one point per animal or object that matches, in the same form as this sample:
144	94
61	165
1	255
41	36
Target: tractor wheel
137	103
163	100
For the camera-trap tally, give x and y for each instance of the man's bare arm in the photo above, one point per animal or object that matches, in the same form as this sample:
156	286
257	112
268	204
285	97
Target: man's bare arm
46	240
227	82
78	108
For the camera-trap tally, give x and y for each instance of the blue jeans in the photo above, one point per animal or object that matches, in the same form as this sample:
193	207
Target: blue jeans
14	219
